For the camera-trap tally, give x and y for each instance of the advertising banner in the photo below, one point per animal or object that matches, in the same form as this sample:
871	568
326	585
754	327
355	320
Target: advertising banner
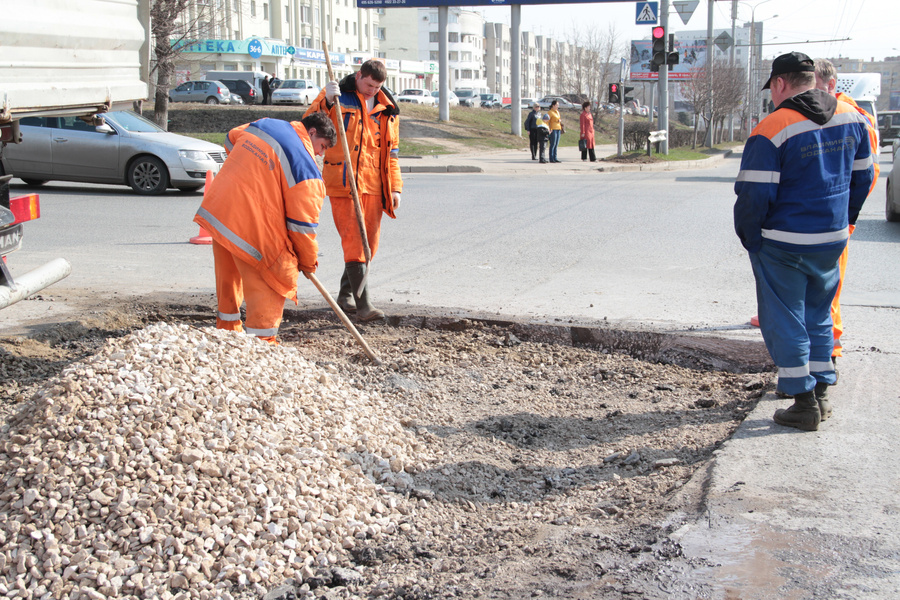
691	54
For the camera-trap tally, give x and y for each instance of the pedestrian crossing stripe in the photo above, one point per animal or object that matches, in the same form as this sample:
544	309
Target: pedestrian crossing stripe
646	13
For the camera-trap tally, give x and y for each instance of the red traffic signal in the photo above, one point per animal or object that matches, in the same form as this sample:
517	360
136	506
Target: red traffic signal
613	87
659	32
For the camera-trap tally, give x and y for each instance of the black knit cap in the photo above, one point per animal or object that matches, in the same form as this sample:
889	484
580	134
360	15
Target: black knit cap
792	62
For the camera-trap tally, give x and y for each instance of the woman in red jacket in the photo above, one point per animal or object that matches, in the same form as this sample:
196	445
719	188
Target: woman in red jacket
586	142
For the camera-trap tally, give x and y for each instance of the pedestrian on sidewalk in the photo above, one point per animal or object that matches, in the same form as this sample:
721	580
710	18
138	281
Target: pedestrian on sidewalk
531	127
805	174
586	141
372	123
262	211
543	135
266	91
556	130
826	80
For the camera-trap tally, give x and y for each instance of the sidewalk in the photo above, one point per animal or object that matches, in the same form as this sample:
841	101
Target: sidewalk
515	162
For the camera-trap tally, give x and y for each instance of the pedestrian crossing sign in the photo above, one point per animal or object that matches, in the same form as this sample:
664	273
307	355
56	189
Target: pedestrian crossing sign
646	13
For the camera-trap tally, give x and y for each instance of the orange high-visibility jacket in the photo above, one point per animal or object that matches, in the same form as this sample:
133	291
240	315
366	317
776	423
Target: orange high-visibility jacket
873	132
264	204
374	144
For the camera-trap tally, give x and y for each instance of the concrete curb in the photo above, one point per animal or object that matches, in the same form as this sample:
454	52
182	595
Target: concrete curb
669	166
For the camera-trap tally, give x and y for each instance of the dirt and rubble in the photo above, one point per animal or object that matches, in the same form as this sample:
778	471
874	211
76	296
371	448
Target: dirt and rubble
562	452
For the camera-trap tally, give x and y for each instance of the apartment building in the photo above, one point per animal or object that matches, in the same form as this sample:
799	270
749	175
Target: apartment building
283	37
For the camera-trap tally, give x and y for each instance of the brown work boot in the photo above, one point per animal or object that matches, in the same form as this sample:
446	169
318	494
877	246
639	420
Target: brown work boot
345	296
803	414
364	309
821	392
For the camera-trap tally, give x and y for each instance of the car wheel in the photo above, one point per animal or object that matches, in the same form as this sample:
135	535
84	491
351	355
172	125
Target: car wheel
189	189
890	213
34	182
211	100
148	175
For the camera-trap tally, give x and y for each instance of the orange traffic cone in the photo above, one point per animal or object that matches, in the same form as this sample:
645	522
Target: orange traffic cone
754	321
203	237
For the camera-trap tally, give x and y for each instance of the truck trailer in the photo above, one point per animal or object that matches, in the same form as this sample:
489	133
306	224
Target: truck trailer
77	58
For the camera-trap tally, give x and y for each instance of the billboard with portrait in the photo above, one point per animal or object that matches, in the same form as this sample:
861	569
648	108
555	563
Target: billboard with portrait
692	56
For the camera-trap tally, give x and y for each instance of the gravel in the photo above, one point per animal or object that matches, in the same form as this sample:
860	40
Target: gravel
482	459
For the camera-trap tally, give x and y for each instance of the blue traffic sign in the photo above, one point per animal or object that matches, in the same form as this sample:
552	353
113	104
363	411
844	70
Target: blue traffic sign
647	13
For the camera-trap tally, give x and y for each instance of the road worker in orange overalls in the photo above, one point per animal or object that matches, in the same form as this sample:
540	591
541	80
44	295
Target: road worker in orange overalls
373	134
826	80
261	211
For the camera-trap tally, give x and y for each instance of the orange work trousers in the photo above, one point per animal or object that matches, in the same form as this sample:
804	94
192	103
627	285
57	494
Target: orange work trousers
348	228
838	323
238	282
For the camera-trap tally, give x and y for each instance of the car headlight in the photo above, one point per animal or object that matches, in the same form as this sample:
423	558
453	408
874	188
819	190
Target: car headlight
193	154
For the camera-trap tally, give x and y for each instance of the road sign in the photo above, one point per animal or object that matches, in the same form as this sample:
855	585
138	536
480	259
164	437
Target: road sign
724	41
647	13
685	9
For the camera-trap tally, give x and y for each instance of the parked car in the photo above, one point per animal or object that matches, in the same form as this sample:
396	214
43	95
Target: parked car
127	149
452	99
467	97
527	104
295	91
563	103
246	91
892	206
490	100
416	97
210	92
888	127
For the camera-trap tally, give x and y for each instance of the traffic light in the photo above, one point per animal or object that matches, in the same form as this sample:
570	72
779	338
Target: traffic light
614	97
672	54
625	96
658	53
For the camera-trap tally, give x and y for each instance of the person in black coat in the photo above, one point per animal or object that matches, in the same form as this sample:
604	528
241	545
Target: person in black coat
267	91
532	129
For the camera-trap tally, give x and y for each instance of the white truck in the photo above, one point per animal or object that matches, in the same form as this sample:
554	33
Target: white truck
864	88
62	58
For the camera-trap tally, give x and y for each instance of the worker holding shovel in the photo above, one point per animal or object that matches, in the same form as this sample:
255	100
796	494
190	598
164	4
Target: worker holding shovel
262	211
367	171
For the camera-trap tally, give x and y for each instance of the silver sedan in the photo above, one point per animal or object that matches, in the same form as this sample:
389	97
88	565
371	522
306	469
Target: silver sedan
127	149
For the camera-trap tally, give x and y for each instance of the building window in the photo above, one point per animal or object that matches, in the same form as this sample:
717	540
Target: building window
354	27
265	11
453	36
252	8
287	14
433	37
306	42
379	33
433	56
454	56
304	13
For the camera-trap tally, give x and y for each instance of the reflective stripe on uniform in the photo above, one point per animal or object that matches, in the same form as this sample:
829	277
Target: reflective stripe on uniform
793	371
806	239
229	235
229	316
863	163
821	367
301	227
279	151
262	332
759	176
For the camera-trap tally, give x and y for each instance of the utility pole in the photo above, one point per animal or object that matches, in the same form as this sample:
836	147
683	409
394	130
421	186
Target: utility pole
734	5
710	68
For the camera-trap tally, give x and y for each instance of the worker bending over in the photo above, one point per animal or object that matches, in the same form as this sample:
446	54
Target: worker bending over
262	211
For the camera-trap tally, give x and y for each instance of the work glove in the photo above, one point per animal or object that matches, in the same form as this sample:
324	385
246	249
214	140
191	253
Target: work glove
395	196
332	91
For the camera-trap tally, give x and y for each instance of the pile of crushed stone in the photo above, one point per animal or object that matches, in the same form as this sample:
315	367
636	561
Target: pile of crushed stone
187	463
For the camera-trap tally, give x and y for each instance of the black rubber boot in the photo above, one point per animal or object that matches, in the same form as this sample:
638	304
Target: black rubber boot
822	399
803	414
364	309
345	296
837	374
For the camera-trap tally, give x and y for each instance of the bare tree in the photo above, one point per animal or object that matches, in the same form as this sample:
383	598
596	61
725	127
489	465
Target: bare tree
596	62
174	26
696	91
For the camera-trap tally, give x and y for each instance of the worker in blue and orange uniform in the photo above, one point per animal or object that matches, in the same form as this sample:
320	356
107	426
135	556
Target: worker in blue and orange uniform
261	211
372	124
826	80
805	173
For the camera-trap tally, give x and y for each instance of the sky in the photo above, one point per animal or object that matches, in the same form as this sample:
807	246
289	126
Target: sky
800	25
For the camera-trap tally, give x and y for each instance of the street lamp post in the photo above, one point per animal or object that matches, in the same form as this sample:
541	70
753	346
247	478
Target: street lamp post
752	100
